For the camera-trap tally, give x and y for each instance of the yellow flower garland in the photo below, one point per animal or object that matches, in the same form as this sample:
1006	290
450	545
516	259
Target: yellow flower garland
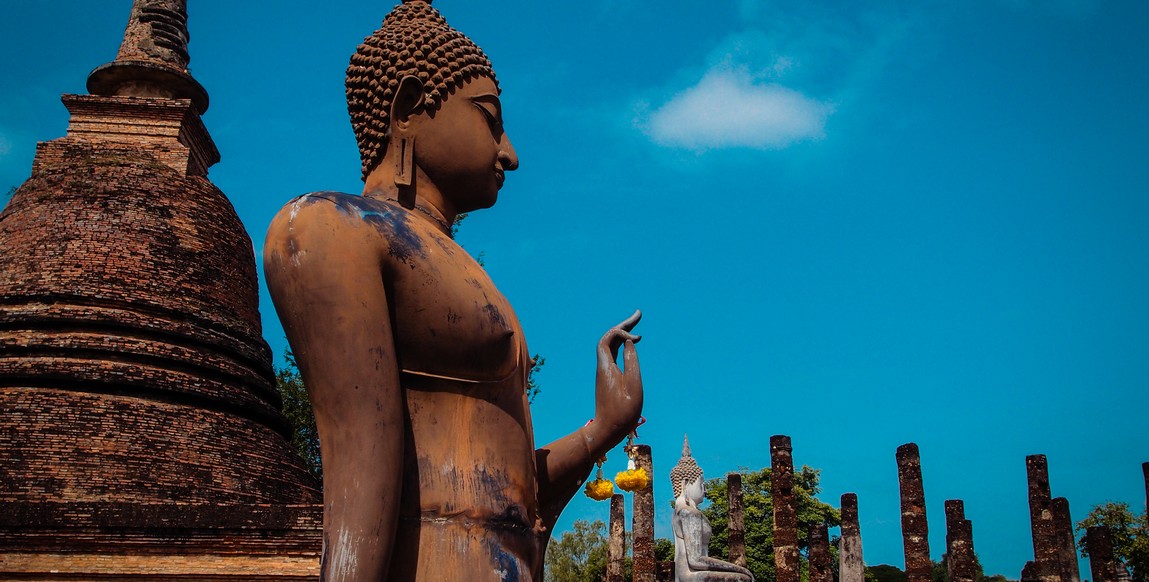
632	479
599	489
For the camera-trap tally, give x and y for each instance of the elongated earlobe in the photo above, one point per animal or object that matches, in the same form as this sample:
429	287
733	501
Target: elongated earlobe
405	170
405	161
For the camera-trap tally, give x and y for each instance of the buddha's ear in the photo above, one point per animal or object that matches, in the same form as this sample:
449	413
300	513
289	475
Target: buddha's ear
408	101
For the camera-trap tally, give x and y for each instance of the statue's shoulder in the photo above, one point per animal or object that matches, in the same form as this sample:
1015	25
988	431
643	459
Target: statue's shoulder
338	220
325	202
327	206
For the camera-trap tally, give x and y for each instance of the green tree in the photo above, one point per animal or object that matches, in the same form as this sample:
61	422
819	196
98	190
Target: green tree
758	517
885	573
1130	536
940	571
663	550
297	409
533	387
581	555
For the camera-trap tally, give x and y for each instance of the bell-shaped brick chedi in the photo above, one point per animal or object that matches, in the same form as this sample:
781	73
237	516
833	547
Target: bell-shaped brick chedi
132	367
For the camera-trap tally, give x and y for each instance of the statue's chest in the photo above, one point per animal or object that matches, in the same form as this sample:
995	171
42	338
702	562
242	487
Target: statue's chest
448	318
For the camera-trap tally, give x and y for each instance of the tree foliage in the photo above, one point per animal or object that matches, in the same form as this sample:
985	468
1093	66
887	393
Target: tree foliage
297	410
758	517
885	573
663	550
581	555
939	572
1130	535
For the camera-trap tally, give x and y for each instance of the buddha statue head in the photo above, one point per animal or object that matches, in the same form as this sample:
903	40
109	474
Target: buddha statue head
424	99
686	473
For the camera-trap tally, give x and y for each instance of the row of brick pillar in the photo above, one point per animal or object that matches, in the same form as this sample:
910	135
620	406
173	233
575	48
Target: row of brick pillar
642	528
960	560
1055	558
1054	552
786	556
1054	549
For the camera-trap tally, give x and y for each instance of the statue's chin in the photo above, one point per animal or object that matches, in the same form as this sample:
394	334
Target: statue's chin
479	202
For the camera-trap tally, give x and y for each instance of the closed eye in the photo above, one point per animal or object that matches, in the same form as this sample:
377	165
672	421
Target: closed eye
489	105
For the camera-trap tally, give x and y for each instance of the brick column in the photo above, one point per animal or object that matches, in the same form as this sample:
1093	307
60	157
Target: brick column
955	512
915	530
617	546
851	568
1099	545
820	568
961	563
643	528
786	559
1066	549
736	530
1046	558
1029	572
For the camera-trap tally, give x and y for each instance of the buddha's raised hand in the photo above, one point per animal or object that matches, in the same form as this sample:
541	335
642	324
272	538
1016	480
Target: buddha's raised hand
618	391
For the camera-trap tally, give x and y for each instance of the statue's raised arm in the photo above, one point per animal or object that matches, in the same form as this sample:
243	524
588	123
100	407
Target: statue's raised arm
415	363
565	463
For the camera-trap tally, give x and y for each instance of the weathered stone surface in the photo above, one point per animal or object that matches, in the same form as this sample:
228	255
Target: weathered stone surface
617	545
1029	572
736	528
1099	544
1046	557
1066	548
821	569
153	58
915	530
139	419
961	563
786	557
851	567
128	309
643	528
955	512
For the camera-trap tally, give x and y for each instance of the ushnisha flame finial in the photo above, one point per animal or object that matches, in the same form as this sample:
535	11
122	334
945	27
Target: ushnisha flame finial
153	58
686	471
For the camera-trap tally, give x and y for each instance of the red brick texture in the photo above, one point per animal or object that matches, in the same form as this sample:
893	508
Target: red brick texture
140	430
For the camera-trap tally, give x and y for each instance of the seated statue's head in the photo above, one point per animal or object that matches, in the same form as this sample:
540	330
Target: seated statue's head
424	105
686	477
692	494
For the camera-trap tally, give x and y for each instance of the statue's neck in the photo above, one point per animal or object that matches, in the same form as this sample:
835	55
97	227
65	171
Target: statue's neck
422	195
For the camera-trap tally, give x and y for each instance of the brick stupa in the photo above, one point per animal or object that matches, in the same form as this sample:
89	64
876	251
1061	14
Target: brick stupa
140	429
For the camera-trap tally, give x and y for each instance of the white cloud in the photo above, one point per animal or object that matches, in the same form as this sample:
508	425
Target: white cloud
728	109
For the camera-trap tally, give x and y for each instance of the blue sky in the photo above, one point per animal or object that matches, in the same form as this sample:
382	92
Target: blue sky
856	223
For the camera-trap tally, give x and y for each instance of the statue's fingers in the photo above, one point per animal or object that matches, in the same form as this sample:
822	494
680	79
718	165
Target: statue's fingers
630	360
612	339
629	323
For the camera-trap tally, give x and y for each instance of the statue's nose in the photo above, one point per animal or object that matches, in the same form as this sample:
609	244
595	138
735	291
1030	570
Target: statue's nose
508	159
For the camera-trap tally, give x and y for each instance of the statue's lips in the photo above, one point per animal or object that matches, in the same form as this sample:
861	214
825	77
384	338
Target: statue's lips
500	176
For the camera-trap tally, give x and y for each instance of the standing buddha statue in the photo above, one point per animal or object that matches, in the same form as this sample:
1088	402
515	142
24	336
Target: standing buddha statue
415	362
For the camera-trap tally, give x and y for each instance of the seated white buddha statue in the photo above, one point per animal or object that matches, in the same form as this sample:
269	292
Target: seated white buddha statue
692	530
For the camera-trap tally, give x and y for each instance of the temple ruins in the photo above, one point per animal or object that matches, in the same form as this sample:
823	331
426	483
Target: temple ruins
141	424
